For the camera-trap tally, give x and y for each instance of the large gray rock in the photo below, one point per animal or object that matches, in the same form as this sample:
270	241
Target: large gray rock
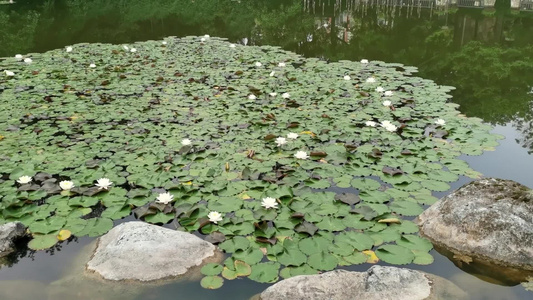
489	220
9	232
144	252
378	283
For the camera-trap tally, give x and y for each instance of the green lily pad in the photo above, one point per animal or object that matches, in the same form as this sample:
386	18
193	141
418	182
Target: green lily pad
211	269
394	254
212	282
265	272
41	242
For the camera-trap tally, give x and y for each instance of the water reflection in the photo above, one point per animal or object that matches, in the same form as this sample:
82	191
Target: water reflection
485	53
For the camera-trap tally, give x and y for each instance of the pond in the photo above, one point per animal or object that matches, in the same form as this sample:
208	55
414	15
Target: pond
487	54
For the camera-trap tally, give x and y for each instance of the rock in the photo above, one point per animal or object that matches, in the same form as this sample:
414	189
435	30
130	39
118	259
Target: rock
145	252
9	232
489	220
377	283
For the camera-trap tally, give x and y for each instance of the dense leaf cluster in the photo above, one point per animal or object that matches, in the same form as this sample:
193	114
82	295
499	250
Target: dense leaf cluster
125	118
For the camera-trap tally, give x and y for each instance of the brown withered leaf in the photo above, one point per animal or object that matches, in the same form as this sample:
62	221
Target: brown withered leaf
319	154
392	171
271	241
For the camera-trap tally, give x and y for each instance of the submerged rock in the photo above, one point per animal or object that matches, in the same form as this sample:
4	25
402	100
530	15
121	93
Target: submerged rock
22	289
144	252
377	283
489	221
8	234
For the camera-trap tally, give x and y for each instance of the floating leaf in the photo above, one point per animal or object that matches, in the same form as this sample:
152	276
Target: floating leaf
63	235
371	256
322	261
306	227
242	268
406	208
396	255
229	274
41	242
435	185
422	258
250	256
212	282
414	242
390	221
291	255
211	269
348	198
265	272
357	258
313	245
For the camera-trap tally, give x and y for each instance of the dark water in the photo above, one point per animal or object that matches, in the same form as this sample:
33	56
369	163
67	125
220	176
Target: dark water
487	54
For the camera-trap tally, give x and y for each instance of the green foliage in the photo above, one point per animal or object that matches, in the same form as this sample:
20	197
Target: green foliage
212	282
127	117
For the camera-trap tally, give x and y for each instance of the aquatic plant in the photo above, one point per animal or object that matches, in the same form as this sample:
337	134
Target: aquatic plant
338	190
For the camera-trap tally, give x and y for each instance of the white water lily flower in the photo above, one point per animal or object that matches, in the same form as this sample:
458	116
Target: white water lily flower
380	89
69	49
301	155
387	103
232	45
252	97
164	42
206	36
272	73
370	123
281	141
133	50
28	60
186	142
9	73
66	185
126	48
24	179
202	40
269	202
364	61
18	57
273	94
244	41
103	183
292	135
388	93
258	64
389	126
281	64
214	217
371	80
285	95
164	198
92	66
440	122
347	77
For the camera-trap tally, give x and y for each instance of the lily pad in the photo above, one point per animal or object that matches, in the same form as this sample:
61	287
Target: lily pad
212	282
40	242
394	254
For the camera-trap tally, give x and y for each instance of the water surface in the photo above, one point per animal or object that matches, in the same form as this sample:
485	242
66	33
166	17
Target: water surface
486	53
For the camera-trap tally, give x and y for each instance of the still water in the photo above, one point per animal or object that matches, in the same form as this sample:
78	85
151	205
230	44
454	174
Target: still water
486	53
